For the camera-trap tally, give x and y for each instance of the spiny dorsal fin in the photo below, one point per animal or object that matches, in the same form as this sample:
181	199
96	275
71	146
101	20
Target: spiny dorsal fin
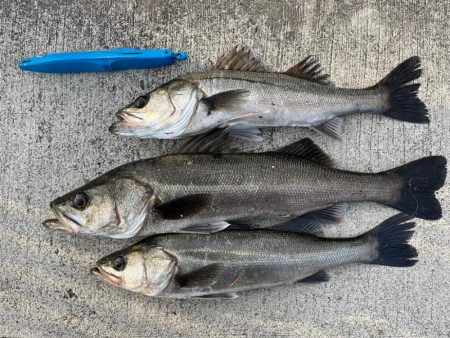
239	58
308	150
215	141
309	69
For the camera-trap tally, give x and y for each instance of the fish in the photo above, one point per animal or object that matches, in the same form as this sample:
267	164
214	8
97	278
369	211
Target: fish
242	95
203	188
223	264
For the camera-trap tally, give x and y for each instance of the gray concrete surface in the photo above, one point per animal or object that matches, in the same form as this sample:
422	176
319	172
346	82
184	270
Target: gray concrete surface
54	137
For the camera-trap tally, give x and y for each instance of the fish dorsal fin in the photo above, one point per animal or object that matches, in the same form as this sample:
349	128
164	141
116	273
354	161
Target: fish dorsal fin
239	58
308	150
203	277
184	206
215	141
309	69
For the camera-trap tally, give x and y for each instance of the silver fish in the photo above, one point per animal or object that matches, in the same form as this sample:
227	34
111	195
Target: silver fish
197	191
222	264
241	95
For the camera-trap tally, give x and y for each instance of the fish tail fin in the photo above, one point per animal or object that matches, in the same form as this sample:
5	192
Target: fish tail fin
404	105
390	240
421	178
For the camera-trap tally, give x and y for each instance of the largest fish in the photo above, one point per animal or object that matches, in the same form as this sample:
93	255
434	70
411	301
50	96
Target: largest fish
201	191
240	94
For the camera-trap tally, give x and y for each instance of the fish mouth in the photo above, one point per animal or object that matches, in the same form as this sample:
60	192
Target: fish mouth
129	117
129	123
64	221
98	272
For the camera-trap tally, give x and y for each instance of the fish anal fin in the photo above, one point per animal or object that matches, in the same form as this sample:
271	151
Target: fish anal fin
319	277
239	58
229	100
309	69
184	206
314	222
332	127
206	228
308	150
202	277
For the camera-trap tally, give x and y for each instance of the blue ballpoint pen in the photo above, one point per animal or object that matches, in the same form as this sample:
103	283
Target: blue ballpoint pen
101	61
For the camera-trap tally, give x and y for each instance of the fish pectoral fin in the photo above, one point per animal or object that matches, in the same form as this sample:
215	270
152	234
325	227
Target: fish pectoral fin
219	296
332	128
309	69
319	277
183	207
239	58
314	222
229	100
207	228
203	277
242	132
215	141
307	150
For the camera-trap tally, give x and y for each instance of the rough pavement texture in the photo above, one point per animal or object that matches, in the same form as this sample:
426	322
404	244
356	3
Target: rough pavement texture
54	137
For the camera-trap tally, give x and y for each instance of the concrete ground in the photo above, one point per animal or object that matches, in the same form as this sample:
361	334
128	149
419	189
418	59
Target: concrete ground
54	137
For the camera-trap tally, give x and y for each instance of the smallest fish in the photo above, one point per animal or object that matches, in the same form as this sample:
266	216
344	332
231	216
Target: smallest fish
224	263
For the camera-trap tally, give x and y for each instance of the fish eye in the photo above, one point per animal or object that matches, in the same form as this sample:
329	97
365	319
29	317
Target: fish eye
81	201
120	263
140	102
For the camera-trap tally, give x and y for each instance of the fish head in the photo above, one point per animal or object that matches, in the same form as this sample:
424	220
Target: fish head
111	207
163	113
139	268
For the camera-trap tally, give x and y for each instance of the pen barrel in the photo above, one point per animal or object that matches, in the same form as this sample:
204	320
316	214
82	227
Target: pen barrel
101	61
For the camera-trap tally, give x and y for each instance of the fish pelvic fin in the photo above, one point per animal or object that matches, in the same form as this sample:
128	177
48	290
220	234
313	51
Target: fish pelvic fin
421	178
207	228
218	296
319	277
215	141
404	105
391	239
242	132
309	69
